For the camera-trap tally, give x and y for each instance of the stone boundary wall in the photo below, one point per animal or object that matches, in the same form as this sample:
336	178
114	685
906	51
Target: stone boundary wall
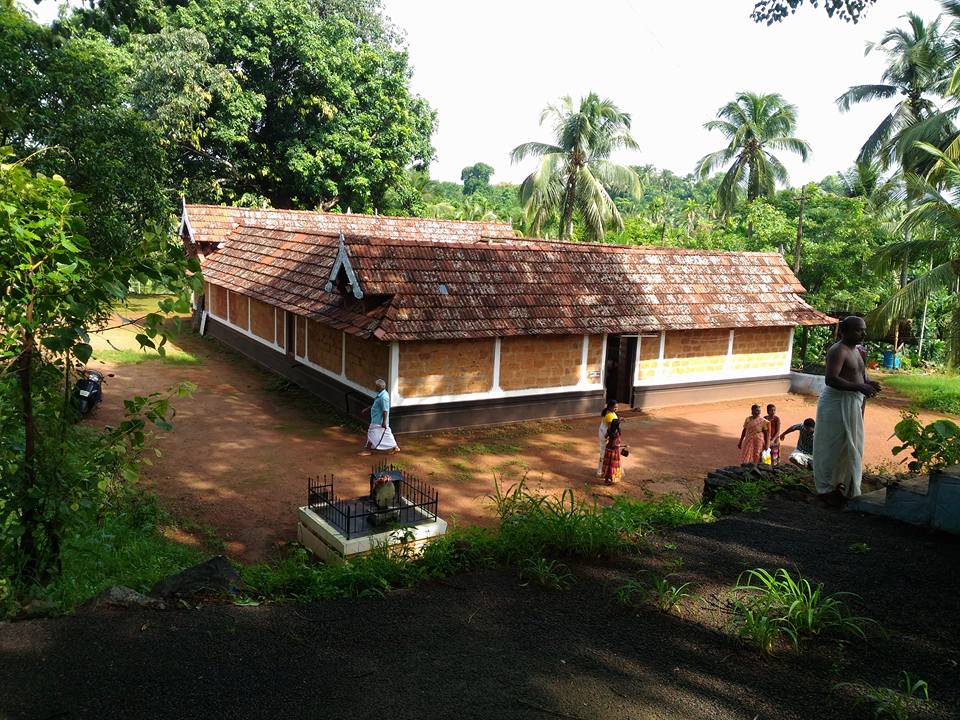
436	368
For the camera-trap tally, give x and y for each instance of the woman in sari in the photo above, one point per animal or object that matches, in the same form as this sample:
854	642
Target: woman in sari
755	437
612	471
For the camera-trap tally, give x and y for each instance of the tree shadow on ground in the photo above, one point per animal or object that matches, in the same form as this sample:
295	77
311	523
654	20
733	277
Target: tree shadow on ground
489	644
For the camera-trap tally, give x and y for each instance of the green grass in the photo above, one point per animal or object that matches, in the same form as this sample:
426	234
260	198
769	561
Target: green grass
936	391
128	549
135	357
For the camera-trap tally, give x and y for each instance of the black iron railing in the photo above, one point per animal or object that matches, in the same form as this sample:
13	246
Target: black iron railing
415	503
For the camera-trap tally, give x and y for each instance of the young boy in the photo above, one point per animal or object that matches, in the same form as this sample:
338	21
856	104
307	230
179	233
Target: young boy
803	455
774	422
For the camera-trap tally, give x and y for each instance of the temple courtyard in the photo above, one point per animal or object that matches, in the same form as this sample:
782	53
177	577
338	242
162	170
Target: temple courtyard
236	464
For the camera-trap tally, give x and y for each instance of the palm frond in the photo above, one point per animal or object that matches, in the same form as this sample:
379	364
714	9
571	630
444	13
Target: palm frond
864	93
536	149
905	302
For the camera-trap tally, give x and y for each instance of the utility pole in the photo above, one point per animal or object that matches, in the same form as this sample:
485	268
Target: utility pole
797	247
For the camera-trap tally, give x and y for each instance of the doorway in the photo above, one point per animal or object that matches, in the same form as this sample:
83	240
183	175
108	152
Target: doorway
620	367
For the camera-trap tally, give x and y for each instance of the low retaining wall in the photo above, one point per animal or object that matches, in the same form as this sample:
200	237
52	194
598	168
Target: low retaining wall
806	384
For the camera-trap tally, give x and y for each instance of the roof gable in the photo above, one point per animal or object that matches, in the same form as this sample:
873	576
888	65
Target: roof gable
342	265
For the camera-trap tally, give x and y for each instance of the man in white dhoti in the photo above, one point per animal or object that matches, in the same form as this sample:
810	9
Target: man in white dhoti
379	435
838	443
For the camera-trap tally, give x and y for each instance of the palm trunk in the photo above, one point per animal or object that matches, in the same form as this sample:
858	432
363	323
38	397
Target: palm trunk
566	221
926	302
798	246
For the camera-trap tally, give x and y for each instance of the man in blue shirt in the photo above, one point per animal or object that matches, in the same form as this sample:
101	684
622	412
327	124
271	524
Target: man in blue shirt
379	435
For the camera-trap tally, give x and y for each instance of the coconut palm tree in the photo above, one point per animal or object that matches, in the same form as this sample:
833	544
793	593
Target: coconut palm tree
937	207
916	73
575	173
754	125
916	62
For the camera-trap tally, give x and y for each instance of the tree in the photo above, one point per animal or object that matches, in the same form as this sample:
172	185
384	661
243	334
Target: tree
475	177
55	290
68	97
754	124
936	208
771	11
575	173
916	58
915	69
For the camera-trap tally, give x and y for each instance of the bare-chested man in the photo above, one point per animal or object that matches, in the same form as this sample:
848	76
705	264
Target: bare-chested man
838	444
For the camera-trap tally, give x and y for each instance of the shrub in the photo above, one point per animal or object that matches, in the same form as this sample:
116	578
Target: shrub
776	606
931	446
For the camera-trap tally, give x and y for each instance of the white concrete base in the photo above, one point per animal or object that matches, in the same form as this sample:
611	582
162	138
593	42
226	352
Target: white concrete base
331	546
806	384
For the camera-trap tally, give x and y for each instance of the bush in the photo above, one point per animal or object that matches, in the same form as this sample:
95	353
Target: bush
931	446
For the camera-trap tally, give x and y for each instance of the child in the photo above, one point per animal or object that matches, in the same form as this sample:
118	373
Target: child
803	455
612	471
607	416
774	434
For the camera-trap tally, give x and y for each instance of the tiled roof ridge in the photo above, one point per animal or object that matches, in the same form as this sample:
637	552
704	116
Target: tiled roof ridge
505	223
496	242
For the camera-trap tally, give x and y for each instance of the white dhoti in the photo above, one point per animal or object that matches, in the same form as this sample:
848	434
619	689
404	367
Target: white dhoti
380	438
838	442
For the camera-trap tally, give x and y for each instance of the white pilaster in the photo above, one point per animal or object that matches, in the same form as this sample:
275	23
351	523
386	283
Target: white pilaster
728	361
583	359
394	379
789	362
663	348
496	367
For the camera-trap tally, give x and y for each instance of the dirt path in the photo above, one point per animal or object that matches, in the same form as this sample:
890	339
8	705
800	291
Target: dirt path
488	645
240	453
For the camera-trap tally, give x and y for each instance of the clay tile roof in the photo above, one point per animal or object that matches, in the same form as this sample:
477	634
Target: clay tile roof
446	289
210	224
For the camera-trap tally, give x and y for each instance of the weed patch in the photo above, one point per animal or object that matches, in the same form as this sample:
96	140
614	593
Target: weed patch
911	696
550	574
135	357
776	607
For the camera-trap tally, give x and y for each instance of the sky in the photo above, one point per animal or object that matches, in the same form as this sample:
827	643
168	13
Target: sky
489	68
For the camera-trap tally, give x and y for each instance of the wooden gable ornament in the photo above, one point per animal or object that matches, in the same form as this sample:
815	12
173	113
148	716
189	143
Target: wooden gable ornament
342	266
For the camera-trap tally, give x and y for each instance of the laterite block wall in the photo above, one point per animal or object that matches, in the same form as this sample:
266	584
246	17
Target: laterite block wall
217	300
367	360
649	354
594	356
761	348
325	347
446	368
694	352
540	362
262	320
239	310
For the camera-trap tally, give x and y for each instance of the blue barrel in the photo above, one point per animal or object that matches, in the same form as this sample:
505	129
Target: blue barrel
888	360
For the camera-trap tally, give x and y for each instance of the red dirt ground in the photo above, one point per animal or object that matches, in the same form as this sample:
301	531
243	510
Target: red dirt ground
237	460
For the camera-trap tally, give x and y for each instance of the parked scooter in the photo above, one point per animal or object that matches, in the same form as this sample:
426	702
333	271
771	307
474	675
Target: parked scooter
88	391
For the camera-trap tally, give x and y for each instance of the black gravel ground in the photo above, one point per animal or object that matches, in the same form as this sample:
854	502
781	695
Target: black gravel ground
487	645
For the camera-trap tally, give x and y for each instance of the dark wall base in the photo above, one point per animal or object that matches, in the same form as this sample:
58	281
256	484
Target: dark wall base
645	398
